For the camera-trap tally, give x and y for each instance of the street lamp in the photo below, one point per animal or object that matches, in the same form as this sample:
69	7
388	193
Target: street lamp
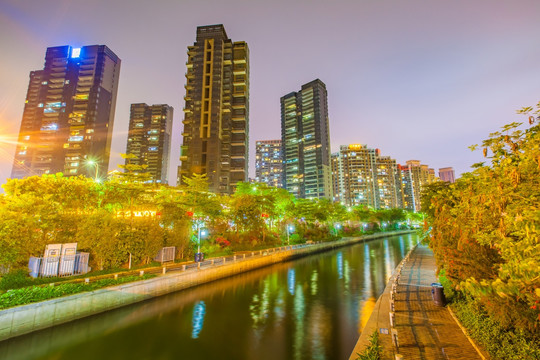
289	229
96	165
201	232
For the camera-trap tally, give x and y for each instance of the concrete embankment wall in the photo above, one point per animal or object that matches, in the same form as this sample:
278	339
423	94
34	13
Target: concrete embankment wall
28	318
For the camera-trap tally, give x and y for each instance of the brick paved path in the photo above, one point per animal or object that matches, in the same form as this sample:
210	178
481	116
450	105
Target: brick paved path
426	331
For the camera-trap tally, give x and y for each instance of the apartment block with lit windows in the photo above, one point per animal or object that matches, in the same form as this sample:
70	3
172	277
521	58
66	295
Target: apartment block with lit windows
269	162
356	168
216	112
149	139
305	137
414	176
69	113
388	183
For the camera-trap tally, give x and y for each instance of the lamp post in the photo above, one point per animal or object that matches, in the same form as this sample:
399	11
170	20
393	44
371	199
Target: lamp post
289	229
201	232
96	165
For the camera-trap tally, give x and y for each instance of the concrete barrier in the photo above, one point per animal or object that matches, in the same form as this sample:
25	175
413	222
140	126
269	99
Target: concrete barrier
27	318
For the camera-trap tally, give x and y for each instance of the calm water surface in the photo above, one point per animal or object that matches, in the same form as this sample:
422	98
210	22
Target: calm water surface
311	308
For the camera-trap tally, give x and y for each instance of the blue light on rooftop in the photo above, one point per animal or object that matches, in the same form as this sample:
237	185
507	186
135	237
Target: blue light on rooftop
75	53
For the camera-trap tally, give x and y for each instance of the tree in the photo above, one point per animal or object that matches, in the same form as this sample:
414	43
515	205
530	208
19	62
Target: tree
485	227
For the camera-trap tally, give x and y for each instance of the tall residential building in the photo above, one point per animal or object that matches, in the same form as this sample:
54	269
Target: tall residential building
216	119
69	113
363	177
269	162
407	191
414	177
149	139
388	183
305	136
356	168
447	174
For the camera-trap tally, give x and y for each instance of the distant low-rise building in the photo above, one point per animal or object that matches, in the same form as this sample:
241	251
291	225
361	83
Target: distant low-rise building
447	174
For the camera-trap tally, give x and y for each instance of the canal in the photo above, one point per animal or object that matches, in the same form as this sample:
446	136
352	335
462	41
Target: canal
311	308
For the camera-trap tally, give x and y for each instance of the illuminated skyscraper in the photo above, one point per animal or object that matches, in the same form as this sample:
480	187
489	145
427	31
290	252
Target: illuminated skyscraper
149	139
69	113
216	120
447	174
305	136
269	162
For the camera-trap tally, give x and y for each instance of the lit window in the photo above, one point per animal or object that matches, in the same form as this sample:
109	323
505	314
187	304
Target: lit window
44	83
152	148
76	138
27	137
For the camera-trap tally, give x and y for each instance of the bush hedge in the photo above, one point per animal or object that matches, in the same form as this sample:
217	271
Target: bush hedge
500	342
33	294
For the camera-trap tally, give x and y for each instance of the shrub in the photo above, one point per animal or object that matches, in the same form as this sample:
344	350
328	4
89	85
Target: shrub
33	294
500	342
373	351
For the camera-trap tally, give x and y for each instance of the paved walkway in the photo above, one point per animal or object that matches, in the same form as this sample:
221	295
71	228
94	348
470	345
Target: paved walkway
424	331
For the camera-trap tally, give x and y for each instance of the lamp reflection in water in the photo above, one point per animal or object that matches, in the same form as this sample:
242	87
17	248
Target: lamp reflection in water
291	281
339	258
198	319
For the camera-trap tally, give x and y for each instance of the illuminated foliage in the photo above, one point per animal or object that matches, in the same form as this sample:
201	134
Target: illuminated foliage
485	228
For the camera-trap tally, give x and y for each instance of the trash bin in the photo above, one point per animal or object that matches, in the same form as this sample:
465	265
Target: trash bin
437	294
199	257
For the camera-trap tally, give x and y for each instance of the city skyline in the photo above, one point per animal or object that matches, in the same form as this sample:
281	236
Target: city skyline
425	83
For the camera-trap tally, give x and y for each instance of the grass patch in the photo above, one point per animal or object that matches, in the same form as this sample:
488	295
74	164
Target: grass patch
34	293
374	349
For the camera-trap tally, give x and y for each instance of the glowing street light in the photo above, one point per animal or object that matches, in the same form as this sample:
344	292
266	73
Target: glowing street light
96	165
290	228
201	233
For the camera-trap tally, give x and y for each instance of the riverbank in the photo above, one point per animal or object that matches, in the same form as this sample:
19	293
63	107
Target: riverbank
422	329
32	317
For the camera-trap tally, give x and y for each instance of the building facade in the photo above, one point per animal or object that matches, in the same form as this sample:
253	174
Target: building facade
68	116
149	139
305	136
447	174
216	112
269	162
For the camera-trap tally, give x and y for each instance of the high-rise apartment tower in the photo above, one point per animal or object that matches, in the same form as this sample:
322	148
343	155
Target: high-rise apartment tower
216	119
305	137
149	139
69	113
269	162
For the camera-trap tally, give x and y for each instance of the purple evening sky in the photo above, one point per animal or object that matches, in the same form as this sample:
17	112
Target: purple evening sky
418	79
